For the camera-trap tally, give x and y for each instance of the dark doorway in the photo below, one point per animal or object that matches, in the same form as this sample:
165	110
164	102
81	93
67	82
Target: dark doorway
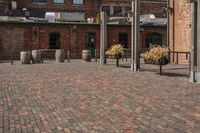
123	39
153	38
54	40
91	42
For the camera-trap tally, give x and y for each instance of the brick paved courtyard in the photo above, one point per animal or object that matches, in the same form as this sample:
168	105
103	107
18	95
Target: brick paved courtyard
79	97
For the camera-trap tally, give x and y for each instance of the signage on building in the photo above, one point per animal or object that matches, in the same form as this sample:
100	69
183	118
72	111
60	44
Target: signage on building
72	16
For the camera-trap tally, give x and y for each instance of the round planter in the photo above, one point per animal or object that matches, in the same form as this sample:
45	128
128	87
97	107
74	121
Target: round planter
25	57
36	56
86	55
60	55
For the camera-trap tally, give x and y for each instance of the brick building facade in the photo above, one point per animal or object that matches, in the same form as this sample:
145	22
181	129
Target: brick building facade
120	8
91	8
184	27
73	37
180	23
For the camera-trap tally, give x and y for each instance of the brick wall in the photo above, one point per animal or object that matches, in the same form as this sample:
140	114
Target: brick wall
180	27
71	39
148	29
28	36
89	7
147	7
10	40
113	35
152	7
23	37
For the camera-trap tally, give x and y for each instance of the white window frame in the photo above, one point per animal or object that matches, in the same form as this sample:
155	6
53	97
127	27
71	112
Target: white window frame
78	2
59	1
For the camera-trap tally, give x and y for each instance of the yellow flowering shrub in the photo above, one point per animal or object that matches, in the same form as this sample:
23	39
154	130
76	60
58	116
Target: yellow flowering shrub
115	50
156	55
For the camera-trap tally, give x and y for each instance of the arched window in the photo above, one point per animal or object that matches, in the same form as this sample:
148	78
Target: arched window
153	38
54	40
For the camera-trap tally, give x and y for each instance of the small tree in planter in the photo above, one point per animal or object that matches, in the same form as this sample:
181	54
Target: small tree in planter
156	55
115	52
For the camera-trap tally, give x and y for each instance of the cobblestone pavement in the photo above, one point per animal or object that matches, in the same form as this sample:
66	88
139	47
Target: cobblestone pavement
80	97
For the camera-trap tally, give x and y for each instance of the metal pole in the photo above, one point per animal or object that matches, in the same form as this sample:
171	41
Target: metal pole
177	58
95	55
68	55
132	36
137	36
160	69
168	5
193	53
117	62
198	42
169	57
190	66
11	56
103	38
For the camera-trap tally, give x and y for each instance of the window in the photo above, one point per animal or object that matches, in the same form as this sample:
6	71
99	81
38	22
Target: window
153	39
59	1
117	10
78	2
39	1
106	9
54	40
128	9
123	39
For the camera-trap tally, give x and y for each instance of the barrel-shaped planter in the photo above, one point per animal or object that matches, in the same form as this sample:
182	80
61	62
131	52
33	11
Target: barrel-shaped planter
86	55
36	56
25	57
60	55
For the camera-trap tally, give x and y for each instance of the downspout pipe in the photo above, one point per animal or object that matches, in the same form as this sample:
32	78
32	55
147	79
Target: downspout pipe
168	23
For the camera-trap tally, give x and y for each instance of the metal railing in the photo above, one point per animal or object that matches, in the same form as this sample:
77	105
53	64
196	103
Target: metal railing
126	55
171	55
50	54
175	54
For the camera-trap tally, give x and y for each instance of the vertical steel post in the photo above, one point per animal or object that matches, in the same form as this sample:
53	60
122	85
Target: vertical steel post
137	36
132	35
168	13
198	43
95	55
68	55
103	39
193	53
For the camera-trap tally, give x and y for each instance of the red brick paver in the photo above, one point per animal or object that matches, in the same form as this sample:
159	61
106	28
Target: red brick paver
80	97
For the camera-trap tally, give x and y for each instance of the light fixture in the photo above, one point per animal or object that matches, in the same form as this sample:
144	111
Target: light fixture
170	10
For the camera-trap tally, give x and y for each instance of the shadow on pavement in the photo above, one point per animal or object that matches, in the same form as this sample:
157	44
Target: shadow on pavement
171	70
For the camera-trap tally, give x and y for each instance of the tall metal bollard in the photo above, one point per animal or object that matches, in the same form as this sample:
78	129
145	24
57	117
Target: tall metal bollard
68	55
95	55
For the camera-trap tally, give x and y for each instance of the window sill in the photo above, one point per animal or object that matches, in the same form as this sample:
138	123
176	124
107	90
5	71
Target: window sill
77	4
59	4
35	3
